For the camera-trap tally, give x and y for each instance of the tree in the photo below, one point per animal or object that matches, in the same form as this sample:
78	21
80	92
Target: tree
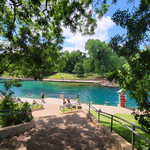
78	69
86	66
9	103
135	75
101	54
73	58
33	33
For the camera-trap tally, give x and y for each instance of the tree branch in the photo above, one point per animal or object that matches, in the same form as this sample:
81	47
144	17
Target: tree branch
142	63
45	7
5	68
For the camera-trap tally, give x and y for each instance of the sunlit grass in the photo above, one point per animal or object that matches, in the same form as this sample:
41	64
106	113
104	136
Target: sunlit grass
71	76
66	109
62	76
121	130
35	106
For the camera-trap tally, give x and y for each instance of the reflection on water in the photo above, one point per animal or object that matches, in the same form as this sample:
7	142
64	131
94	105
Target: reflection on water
86	91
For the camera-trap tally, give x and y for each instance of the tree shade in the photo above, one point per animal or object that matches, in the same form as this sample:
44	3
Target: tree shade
33	31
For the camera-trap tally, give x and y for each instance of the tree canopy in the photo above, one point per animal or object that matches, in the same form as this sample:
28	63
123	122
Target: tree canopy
33	32
102	57
78	69
71	59
136	74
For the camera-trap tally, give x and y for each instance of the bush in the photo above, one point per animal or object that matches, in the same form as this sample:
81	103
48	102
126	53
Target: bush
9	103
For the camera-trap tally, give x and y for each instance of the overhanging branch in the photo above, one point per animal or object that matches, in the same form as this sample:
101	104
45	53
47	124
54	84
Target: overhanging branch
5	68
45	7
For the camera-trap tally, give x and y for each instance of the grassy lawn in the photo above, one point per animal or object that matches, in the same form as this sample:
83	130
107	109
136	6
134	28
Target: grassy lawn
35	106
71	76
63	75
123	131
66	109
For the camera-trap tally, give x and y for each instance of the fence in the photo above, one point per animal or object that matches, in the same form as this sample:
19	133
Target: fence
23	111
111	117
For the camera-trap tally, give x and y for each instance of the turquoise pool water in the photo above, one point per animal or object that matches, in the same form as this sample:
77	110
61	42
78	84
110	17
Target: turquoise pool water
86	91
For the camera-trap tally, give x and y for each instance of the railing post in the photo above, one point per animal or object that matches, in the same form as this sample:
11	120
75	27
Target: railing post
98	116
26	115
133	136
111	122
30	112
89	108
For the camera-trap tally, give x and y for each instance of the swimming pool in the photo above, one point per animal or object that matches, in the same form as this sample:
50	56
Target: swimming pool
86	91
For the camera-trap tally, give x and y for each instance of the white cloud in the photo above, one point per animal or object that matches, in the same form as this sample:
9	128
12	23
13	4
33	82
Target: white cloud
101	33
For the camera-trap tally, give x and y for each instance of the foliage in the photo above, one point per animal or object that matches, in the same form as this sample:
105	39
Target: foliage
73	58
32	33
123	131
78	69
135	75
102	57
86	66
9	103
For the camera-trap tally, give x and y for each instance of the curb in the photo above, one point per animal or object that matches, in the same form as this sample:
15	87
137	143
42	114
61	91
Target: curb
16	129
69	112
39	108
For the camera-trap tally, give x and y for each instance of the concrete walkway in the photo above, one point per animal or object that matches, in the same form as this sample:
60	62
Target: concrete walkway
55	131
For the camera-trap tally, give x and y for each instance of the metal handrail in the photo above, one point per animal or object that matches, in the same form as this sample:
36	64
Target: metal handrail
133	125
14	110
25	112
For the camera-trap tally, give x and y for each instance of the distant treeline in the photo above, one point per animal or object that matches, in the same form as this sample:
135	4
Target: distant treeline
100	59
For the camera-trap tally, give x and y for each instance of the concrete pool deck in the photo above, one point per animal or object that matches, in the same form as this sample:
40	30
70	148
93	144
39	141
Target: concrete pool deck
55	130
51	107
94	81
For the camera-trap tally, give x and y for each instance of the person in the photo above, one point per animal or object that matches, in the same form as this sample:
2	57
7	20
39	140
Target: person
64	102
78	98
68	99
42	97
29	95
106	102
91	101
69	103
34	102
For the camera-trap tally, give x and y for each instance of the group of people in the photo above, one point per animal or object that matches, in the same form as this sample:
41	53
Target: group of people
65	104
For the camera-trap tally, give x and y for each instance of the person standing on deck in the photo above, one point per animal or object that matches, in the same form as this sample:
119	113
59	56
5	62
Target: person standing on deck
42	97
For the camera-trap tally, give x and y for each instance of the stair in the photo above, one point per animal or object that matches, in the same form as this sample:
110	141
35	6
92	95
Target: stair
65	132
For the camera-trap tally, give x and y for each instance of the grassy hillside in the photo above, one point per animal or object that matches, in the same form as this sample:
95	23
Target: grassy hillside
71	76
63	76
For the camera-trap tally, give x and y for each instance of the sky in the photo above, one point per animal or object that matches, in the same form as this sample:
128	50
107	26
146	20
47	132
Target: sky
106	28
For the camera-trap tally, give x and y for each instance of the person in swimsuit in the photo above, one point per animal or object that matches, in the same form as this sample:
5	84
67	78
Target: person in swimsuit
42	97
64	102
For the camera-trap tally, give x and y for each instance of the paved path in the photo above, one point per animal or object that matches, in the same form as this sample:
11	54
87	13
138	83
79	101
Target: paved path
56	131
110	109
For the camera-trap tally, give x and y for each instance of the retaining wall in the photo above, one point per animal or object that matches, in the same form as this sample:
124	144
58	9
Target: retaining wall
16	129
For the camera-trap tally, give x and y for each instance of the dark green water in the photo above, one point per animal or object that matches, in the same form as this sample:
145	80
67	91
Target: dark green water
85	91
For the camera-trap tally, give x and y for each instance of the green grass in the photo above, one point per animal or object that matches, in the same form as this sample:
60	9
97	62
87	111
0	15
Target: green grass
62	75
35	106
66	109
71	76
121	130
